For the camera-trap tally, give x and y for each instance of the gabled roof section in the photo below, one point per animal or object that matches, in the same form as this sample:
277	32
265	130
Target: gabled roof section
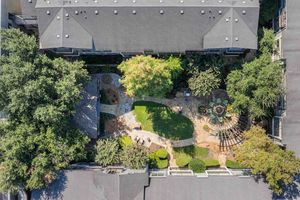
236	28
156	25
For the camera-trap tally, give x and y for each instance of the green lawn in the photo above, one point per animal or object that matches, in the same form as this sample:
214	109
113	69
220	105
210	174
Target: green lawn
161	120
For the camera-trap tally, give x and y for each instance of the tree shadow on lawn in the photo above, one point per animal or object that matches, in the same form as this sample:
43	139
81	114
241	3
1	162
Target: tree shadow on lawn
168	124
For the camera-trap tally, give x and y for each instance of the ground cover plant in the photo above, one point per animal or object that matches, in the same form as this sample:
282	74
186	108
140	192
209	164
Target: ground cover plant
160	119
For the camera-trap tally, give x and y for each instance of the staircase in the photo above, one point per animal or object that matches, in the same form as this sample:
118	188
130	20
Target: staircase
232	136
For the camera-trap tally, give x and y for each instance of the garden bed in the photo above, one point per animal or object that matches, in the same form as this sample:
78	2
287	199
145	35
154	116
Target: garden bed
184	155
160	119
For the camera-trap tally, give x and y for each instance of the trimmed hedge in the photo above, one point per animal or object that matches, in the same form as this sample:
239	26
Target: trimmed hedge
233	165
211	163
162	153
159	159
161	164
198	166
183	160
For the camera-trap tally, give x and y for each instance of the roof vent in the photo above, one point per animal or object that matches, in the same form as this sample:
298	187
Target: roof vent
67	14
134	12
227	20
161	12
161	1
58	36
220	12
133	1
76	1
58	17
29	1
244	1
67	36
115	12
76	12
236	20
181	1
181	12
244	12
236	39
226	38
48	12
115	1
96	12
96	1
202	12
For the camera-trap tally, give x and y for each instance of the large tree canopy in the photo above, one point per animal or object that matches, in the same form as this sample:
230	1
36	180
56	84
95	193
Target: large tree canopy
33	87
39	96
30	157
148	76
257	86
260	154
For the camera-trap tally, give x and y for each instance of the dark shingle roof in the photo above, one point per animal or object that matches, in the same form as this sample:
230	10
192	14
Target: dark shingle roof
210	188
138	25
94	185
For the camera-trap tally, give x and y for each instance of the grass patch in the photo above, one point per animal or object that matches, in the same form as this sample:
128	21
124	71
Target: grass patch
160	119
234	165
211	163
193	151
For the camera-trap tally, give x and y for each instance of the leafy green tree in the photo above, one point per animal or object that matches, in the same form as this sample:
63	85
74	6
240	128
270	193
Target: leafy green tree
39	95
107	152
267	42
148	76
34	88
31	157
257	87
260	154
134	156
203	83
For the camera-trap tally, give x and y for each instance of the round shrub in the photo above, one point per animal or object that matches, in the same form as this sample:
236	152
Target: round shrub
198	166
183	160
161	164
162	153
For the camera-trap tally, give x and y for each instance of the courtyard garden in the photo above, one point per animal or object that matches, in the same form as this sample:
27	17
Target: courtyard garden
160	119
